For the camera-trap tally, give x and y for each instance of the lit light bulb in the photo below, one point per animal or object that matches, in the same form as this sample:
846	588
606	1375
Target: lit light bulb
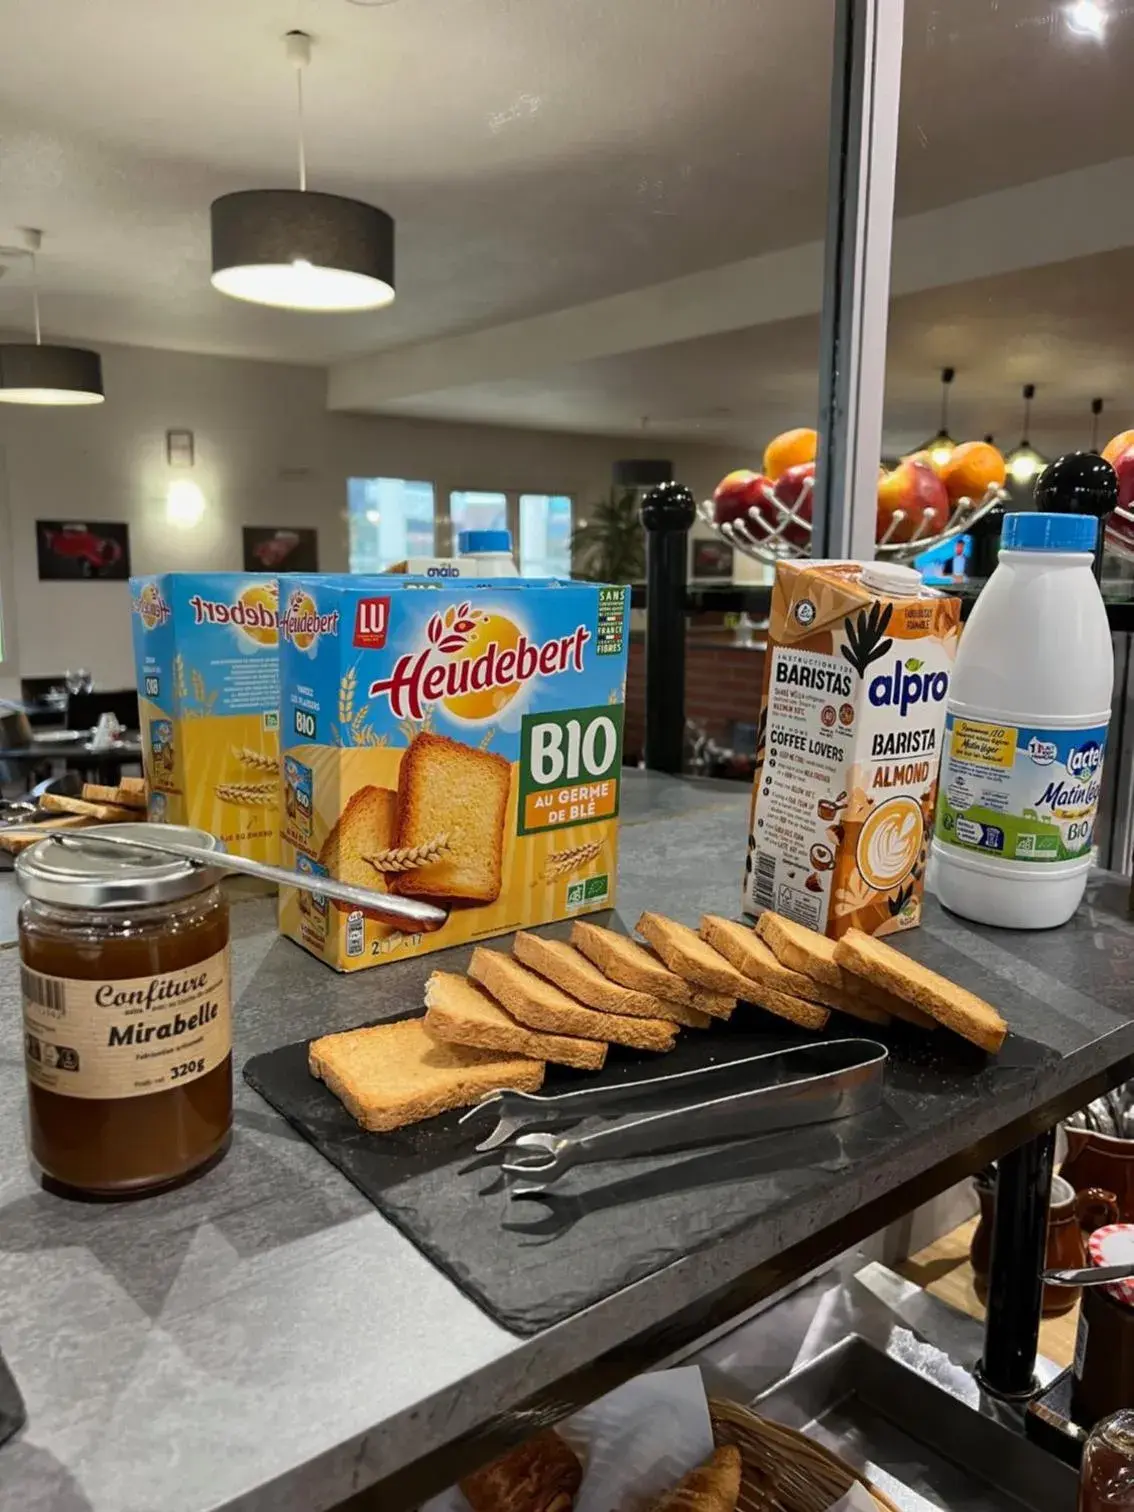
303	285
940	455
374	517
184	504
1086	18
1024	467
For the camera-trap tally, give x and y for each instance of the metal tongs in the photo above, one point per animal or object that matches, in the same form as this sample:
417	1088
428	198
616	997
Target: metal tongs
783	1089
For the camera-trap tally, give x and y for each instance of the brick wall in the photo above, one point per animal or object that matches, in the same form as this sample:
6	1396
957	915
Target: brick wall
722	688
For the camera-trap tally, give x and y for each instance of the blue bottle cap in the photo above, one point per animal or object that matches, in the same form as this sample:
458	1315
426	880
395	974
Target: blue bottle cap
474	542
1049	532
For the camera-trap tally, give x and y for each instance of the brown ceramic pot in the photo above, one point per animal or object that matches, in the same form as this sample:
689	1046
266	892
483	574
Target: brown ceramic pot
1103	1161
1069	1214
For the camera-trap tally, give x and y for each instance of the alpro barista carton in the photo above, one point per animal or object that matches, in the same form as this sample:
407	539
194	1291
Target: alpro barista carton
459	743
849	746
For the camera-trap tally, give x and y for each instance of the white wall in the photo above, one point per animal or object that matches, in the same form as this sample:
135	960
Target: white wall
267	452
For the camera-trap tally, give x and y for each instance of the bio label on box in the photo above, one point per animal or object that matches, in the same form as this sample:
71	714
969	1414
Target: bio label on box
206	651
460	743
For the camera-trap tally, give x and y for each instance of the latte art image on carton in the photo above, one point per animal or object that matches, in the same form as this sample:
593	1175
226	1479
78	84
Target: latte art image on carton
849	746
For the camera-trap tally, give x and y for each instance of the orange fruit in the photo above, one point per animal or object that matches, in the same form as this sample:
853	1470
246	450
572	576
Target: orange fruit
1117	445
972	469
789	450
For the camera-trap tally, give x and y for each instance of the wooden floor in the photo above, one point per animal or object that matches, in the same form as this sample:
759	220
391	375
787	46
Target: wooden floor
943	1269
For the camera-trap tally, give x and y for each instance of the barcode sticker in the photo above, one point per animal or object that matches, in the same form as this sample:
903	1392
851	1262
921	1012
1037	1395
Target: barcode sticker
765	879
46	992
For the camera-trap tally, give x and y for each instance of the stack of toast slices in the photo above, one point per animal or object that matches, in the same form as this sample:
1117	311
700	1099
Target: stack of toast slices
123	804
567	1002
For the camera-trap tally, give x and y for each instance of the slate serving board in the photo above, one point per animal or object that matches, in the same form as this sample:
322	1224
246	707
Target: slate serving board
531	1263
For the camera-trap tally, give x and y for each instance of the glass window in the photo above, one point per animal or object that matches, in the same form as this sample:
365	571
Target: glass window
545	535
390	519
472	509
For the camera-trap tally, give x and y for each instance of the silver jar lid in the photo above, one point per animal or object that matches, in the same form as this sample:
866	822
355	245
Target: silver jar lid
89	875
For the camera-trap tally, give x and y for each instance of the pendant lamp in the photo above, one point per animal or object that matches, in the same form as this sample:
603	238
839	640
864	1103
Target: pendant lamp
44	373
942	445
1024	462
296	249
1096	411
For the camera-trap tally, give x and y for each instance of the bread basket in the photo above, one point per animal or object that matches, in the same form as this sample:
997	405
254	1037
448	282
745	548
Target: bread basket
783	1470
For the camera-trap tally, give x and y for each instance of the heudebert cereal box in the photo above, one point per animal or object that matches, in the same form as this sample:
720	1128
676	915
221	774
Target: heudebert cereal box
458	743
848	746
206	650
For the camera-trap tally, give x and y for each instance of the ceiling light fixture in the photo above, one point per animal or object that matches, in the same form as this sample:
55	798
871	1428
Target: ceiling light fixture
1086	18
39	374
298	250
942	446
1024	462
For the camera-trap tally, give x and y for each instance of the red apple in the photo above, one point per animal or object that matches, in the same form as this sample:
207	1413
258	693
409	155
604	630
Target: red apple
736	494
1123	465
797	481
914	490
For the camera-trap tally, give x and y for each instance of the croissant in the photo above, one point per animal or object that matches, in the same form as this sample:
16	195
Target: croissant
712	1487
542	1475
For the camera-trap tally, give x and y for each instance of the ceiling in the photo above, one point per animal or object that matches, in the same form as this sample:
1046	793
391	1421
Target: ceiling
541	155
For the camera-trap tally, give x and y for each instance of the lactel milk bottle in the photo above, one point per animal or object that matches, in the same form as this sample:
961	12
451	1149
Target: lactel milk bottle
855	684
1026	731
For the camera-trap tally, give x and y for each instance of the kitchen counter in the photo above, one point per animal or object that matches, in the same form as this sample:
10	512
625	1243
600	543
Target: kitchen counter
263	1339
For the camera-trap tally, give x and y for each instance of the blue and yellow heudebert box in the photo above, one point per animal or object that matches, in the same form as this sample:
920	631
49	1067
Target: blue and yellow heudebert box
206	649
455	742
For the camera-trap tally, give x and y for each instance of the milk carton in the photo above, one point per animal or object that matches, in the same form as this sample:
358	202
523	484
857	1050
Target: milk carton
206	651
849	745
457	743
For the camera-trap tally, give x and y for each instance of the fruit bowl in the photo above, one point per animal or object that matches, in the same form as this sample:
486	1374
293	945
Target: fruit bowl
772	529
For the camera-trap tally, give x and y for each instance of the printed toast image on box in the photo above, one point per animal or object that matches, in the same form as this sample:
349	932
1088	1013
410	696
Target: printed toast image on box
456	743
206	652
848	746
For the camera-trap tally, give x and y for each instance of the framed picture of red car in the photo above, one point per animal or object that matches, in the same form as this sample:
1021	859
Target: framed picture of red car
70	549
280	548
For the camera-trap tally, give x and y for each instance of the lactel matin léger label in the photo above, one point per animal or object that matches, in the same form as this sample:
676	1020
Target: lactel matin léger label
844	797
1020	792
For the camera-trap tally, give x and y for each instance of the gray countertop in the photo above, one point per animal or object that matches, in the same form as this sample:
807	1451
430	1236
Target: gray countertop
263	1339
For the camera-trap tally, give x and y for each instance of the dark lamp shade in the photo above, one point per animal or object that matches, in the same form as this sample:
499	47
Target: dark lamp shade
642	472
302	251
31	374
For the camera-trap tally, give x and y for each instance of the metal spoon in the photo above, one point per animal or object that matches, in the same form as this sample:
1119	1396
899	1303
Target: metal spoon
1093	1275
409	914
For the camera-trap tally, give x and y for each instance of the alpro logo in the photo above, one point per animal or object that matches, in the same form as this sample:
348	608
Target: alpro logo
907	684
1084	762
302	623
474	664
150	607
253	612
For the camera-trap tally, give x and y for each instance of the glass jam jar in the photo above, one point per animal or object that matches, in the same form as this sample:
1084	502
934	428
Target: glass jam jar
127	1013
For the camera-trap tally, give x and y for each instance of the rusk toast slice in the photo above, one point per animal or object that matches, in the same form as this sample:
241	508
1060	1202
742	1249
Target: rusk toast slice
458	1012
627	962
955	1007
540	1005
570	970
742	946
396	1074
799	948
366	825
446	788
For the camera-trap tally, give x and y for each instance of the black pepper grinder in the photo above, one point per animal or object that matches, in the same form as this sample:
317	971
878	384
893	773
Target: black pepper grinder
1080	483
